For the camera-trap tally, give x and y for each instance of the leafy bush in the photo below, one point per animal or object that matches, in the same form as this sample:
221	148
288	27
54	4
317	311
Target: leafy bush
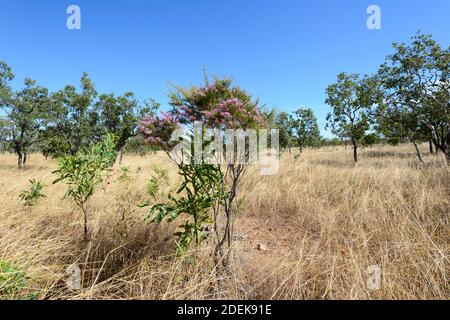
198	194
33	194
157	181
370	139
13	282
84	171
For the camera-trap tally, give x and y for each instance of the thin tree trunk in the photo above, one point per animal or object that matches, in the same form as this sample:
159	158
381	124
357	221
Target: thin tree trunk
436	147
85	212
121	154
19	160
355	150
25	157
227	236
430	142
419	156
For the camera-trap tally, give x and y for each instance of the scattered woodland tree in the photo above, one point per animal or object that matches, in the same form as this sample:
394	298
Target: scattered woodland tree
120	116
390	126
305	128
284	123
4	134
73	122
6	75
351	99
415	92
24	118
408	100
67	121
79	119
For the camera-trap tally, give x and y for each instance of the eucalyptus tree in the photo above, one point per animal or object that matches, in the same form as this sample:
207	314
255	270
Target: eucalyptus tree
284	123
4	134
120	116
24	119
305	128
415	84
73	121
6	75
351	98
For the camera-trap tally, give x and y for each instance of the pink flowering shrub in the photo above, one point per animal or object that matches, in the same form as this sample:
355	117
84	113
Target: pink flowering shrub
217	105
157	130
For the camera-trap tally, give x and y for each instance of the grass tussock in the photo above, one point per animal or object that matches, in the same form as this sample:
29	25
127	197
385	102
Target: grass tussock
309	232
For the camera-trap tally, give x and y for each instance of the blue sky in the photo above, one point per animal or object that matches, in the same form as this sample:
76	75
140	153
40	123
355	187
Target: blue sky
284	52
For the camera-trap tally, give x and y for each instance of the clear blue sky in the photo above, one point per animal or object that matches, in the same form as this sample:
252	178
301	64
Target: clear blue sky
284	52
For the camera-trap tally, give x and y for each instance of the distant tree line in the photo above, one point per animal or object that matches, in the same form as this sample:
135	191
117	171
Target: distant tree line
406	101
66	121
298	129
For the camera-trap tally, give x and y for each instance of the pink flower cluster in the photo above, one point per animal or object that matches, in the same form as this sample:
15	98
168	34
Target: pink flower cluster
186	114
234	113
228	113
211	105
225	112
157	130
204	91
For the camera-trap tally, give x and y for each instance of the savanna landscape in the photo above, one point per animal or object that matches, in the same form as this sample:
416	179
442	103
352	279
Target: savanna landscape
309	232
215	194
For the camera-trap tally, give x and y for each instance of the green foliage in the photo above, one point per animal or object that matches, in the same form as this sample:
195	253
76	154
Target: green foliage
370	139
74	122
299	128
84	171
306	129
5	73
414	93
33	194
137	145
13	282
120	115
6	76
334	142
206	191
201	190
23	115
284	123
197	195
81	117
351	99
159	179
125	174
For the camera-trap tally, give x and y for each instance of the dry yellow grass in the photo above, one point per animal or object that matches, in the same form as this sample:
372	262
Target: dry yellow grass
321	221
